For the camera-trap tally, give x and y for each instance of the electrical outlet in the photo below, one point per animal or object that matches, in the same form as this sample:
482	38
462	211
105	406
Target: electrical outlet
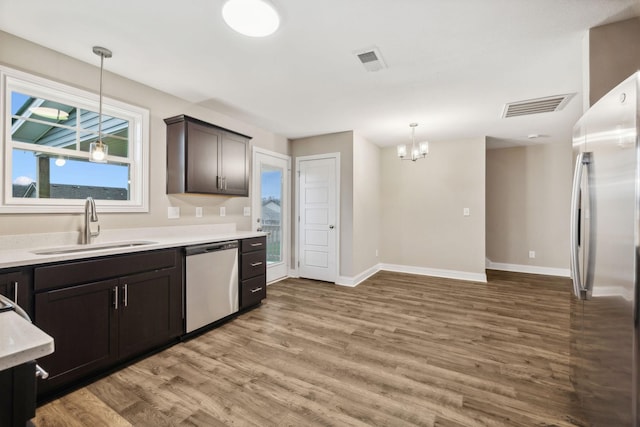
223	211
198	212
173	212
532	254
465	212
247	211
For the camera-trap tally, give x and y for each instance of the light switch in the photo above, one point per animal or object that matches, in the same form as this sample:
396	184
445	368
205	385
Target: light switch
173	212
223	211
247	211
199	212
466	212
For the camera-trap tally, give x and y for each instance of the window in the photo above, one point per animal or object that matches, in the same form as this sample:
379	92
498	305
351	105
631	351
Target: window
47	131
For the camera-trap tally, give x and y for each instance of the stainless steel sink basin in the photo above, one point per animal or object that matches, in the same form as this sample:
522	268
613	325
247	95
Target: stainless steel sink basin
91	247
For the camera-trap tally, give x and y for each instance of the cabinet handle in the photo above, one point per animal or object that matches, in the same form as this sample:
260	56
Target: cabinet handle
218	182
255	264
256	244
253	291
41	373
15	292
115	297
126	295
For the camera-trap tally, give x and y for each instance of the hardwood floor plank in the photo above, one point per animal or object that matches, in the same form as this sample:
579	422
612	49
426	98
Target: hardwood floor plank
82	408
397	350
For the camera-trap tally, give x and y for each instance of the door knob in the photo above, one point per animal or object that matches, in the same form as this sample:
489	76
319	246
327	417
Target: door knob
331	227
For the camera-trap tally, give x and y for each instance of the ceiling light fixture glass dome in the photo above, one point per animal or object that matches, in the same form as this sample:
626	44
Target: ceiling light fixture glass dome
253	18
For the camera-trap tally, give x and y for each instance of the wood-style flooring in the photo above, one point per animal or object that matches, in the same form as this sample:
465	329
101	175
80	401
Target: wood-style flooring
396	350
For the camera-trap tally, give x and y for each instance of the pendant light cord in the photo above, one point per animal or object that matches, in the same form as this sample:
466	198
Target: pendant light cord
100	101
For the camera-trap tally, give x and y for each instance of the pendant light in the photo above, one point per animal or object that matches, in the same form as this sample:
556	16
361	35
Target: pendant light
97	150
418	151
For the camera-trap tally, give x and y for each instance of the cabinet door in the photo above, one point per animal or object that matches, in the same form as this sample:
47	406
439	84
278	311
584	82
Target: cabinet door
83	323
16	286
202	158
9	285
234	164
151	311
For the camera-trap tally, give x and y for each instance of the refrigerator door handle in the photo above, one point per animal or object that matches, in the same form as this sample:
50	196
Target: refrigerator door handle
582	161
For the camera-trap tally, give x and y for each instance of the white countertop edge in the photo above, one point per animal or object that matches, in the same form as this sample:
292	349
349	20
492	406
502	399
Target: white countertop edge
21	341
162	238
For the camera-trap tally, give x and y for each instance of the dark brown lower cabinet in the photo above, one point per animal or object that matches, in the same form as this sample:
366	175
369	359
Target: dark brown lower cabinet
83	323
253	271
16	285
150	311
18	402
97	325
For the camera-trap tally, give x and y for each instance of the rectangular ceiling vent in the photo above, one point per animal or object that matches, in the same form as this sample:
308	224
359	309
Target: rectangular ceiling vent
371	59
535	106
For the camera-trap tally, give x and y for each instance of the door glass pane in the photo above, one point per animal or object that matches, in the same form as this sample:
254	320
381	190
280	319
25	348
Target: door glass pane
271	184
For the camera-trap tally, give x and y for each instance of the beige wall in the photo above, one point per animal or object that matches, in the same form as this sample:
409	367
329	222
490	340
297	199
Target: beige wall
23	55
422	205
366	204
614	54
342	143
528	197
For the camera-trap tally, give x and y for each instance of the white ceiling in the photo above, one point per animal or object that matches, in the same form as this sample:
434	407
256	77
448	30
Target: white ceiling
452	64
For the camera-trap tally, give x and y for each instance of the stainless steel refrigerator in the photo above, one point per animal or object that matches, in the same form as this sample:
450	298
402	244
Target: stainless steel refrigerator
605	213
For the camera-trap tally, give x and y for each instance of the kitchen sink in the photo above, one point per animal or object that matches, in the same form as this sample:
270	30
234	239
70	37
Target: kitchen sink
71	249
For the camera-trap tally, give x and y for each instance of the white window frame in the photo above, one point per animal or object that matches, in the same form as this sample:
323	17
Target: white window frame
138	150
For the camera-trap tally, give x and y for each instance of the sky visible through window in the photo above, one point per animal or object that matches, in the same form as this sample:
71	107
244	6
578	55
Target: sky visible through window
271	184
72	172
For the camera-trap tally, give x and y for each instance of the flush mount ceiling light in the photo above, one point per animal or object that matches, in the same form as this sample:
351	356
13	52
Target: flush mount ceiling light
50	113
418	151
253	18
97	150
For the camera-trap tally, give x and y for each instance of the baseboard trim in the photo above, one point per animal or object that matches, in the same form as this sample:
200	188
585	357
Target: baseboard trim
423	271
356	280
532	269
436	272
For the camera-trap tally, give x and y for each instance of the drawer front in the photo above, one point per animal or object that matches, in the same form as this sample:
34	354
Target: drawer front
253	291
254	244
253	264
95	269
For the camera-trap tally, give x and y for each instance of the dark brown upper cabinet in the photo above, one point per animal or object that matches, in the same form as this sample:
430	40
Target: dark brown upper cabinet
206	159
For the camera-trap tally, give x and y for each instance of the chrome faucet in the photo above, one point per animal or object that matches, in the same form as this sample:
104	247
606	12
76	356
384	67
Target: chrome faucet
90	215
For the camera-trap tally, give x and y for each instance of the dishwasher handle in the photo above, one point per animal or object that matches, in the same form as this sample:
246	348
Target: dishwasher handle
211	247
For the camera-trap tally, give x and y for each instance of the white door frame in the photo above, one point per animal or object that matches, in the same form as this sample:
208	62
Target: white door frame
286	210
335	156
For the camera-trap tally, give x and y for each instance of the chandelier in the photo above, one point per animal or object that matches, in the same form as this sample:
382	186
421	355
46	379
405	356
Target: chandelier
418	151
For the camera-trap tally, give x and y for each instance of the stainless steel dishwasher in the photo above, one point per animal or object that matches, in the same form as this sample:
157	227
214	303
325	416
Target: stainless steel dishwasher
211	283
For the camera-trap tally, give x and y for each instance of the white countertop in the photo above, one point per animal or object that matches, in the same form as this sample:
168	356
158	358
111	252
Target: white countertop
18	250
21	341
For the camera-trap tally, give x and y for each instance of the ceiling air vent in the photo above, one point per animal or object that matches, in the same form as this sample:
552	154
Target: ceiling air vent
535	106
371	59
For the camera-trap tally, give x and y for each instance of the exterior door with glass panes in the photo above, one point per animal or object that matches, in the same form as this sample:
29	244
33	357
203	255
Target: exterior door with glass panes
270	206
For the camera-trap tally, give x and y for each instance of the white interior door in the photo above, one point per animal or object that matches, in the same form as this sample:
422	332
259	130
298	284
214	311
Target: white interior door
318	214
270	206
